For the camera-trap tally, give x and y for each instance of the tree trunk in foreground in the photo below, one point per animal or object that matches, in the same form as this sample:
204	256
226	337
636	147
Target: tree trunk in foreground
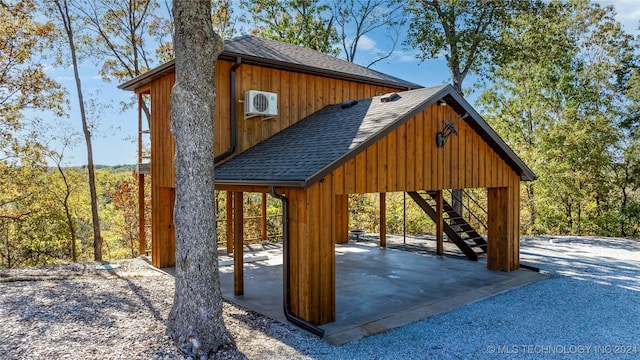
195	322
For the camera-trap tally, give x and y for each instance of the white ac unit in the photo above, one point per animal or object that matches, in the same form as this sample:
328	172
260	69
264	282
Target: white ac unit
260	103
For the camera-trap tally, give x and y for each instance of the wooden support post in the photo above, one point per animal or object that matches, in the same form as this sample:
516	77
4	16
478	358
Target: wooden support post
503	228
229	210
141	215
340	214
238	239
264	217
383	220
142	248
439	224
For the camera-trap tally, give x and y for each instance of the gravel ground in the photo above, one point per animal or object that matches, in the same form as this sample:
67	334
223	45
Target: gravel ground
588	308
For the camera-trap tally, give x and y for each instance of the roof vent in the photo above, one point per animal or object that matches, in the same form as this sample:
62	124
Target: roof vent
349	103
389	97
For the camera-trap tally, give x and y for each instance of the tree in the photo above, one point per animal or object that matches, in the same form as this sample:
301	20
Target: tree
223	18
465	31
120	33
124	196
558	106
63	195
356	19
24	85
301	22
66	19
23	81
195	322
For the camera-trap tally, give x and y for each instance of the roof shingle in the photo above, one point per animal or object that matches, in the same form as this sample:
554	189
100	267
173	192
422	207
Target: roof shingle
289	54
324	140
266	52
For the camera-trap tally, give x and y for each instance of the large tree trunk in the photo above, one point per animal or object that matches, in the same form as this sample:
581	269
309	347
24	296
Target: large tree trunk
195	323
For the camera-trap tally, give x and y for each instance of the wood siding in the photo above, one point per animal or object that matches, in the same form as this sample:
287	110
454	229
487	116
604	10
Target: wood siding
503	205
299	95
312	216
407	159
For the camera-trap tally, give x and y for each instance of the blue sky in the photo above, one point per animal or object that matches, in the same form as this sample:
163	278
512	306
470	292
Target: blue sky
116	131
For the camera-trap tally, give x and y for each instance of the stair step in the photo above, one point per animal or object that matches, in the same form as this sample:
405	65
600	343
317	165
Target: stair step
454	225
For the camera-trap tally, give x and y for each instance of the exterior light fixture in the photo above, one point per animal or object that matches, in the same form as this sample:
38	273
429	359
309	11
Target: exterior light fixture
448	128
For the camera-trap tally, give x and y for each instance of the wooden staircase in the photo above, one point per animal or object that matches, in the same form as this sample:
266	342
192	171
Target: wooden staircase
455	226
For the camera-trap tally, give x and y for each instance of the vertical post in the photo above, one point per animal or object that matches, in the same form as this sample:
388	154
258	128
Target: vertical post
229	209
439	224
404	217
238	239
503	228
264	217
142	248
141	215
383	220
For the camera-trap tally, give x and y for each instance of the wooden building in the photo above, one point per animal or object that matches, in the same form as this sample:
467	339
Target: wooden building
340	129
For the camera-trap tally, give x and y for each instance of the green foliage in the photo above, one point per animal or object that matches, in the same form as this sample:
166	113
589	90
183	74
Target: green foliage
301	22
252	218
558	106
466	32
405	216
33	226
23	82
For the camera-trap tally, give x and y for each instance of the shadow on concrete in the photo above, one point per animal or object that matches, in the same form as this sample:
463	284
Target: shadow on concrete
377	289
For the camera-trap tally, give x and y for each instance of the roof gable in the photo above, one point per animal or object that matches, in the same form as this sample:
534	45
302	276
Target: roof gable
277	54
305	152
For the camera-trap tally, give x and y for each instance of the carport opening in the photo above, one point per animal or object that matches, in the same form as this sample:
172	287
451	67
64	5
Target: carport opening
408	227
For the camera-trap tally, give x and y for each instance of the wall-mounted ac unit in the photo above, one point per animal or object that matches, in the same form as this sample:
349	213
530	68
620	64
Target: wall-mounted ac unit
260	103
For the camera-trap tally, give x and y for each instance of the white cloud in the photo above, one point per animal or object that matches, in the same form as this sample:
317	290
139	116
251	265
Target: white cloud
401	56
366	43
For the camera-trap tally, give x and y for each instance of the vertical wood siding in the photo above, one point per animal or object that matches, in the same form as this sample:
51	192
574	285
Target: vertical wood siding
312	215
299	95
407	159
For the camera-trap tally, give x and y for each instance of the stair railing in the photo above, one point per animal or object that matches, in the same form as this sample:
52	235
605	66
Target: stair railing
479	220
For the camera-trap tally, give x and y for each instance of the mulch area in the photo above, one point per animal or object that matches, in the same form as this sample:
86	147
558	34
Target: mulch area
77	312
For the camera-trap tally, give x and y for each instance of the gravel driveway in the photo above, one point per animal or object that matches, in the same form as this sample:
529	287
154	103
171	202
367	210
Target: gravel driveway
588	308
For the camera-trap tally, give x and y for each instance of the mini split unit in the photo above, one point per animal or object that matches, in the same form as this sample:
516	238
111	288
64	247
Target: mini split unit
260	103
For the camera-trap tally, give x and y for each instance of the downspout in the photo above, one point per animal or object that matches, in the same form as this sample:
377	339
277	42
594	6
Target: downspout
232	113
286	295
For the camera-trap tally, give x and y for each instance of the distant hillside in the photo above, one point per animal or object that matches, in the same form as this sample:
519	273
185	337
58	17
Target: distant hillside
116	168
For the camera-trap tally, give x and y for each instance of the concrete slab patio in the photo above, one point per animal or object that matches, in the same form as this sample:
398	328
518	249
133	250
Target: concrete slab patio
376	289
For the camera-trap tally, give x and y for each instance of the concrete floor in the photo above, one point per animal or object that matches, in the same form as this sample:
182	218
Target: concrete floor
376	289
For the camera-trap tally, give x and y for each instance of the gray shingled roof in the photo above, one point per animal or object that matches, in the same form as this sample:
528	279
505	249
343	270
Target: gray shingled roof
305	152
272	53
290	54
323	141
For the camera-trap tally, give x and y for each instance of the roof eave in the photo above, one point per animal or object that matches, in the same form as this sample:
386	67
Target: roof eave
255	60
168	68
297	184
525	173
149	76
